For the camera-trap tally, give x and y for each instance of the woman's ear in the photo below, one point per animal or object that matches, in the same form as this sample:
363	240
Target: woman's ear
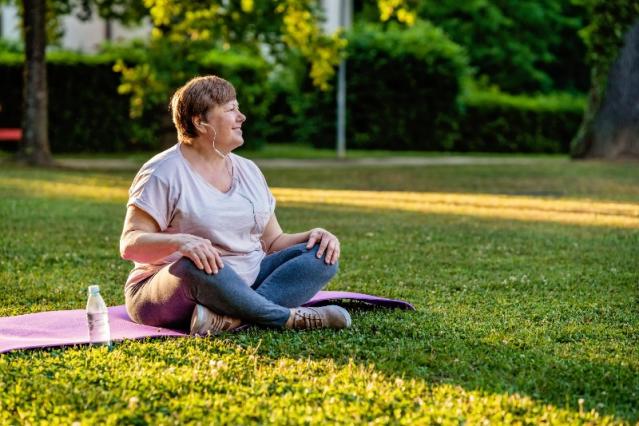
197	123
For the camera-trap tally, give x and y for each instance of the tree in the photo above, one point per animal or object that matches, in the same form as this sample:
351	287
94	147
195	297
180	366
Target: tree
39	18
35	148
521	46
609	22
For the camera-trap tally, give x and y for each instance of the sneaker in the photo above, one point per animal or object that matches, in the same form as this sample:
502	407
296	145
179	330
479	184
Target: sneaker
331	316
205	322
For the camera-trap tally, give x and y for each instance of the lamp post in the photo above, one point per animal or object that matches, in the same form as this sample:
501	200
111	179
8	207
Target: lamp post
339	14
345	15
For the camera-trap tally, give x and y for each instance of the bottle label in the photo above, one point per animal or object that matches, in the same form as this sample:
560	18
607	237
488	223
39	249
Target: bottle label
98	328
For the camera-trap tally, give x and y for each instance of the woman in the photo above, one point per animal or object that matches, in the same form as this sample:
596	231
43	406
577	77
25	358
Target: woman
201	229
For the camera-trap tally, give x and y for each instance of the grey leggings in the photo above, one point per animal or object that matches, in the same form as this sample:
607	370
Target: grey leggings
287	279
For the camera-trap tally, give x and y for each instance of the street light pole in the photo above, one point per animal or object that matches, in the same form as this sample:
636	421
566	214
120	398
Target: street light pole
341	111
345	11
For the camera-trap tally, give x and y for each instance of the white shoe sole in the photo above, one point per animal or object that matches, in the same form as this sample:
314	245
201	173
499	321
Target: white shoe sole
346	315
196	320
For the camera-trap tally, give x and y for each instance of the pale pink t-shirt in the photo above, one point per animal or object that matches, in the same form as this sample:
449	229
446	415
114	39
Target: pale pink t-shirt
182	201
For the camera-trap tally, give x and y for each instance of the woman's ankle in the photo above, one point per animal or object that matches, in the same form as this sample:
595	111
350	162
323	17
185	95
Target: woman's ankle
291	319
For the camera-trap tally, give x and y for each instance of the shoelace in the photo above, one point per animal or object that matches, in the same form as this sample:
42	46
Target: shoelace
309	321
219	323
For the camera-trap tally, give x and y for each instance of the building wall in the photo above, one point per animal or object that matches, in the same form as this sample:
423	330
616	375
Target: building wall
84	36
9	23
87	36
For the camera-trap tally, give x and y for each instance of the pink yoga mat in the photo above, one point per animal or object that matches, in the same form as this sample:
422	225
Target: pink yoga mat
63	328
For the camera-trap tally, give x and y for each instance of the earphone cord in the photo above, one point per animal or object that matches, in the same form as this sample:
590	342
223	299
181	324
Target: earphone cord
217	151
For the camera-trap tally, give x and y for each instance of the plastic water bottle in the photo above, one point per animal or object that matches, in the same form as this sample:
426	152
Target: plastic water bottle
98	318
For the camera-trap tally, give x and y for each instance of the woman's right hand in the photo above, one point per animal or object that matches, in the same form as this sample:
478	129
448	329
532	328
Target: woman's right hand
201	252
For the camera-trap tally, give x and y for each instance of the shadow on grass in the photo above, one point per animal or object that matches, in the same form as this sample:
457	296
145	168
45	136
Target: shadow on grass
417	345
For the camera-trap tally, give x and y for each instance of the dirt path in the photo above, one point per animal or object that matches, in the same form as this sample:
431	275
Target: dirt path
128	165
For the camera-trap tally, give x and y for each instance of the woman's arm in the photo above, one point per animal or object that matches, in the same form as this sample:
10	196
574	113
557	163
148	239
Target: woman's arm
142	241
274	239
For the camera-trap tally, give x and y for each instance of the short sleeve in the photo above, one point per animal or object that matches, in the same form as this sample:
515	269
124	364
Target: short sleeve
151	194
269	194
271	200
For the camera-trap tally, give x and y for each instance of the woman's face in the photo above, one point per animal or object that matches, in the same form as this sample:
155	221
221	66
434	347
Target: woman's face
227	121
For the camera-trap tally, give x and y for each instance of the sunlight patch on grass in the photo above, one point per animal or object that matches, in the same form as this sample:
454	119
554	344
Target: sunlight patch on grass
534	209
578	212
57	189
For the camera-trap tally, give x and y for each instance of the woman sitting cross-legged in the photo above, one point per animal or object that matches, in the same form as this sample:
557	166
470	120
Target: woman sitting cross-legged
201	229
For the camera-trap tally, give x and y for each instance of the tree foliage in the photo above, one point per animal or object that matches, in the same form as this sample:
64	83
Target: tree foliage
183	32
518	45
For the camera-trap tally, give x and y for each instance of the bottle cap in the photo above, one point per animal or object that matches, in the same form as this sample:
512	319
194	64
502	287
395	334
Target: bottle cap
94	289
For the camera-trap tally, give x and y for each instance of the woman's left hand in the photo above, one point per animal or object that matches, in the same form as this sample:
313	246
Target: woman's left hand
328	243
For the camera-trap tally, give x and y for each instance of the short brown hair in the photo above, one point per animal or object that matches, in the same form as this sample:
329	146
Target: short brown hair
194	99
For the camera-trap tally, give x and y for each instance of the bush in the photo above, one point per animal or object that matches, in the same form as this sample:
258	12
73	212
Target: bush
402	92
497	122
86	113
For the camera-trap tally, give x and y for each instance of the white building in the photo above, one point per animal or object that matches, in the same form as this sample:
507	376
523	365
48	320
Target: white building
86	36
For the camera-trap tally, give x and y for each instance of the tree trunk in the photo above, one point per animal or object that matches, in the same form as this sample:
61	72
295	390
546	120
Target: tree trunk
582	142
35	140
610	128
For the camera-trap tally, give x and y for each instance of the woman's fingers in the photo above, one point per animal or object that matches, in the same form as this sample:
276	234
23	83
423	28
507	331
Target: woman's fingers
195	259
330	249
203	254
329	245
312	239
206	259
214	259
333	256
332	252
218	259
211	257
323	244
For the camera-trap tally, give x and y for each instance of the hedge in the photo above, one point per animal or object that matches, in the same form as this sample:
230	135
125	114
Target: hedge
402	91
86	113
498	122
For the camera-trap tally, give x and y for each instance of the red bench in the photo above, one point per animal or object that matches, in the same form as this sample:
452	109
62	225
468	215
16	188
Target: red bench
10	139
13	135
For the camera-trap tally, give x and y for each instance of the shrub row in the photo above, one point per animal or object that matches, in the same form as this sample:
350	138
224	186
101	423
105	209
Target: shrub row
402	91
497	122
403	94
86	113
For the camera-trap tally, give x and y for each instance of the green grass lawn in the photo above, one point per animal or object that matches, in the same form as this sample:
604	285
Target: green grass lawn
517	321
